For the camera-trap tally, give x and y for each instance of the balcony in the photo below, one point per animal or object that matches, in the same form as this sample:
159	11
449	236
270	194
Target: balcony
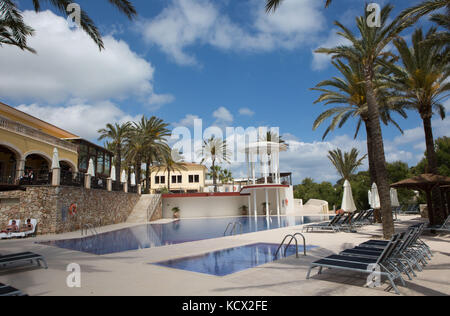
36	134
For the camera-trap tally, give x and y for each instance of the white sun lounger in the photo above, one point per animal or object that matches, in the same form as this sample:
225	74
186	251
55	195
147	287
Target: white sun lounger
8	235
28	233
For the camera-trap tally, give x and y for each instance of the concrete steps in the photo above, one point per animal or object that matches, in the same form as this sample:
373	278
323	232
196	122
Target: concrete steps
139	213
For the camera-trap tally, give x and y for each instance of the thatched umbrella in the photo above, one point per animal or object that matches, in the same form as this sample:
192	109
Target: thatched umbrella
426	183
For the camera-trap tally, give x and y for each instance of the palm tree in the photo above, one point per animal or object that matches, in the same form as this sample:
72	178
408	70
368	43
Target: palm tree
272	5
422	82
118	135
22	31
153	133
346	163
443	20
13	30
368	49
171	165
226	176
215	150
350	90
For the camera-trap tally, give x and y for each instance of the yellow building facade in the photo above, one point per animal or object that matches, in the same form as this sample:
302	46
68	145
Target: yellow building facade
189	180
27	144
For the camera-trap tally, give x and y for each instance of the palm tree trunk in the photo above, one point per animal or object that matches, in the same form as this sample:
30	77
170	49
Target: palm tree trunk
138	172
373	175
437	211
214	175
379	156
168	180
118	167
147	177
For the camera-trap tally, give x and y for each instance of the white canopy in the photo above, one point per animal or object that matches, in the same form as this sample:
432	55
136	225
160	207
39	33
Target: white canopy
133	179
375	197
394	198
91	168
348	204
123	178
55	159
113	173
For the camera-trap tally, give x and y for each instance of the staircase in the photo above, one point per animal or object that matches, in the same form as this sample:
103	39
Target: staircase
145	208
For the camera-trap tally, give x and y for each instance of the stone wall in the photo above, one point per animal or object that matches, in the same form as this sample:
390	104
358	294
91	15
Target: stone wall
50	206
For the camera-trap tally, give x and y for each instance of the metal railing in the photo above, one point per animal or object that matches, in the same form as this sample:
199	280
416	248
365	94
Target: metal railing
153	204
233	226
72	179
293	238
133	189
5	179
38	177
98	183
88	228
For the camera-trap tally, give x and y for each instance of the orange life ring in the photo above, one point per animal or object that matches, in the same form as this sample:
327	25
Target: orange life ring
287	202
73	209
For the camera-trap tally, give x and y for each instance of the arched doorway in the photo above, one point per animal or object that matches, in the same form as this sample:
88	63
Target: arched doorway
8	165
37	170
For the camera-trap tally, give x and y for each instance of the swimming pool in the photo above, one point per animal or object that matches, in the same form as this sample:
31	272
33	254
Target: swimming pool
184	230
228	261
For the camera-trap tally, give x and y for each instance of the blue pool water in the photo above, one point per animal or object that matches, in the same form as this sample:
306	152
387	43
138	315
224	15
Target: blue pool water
228	261
184	230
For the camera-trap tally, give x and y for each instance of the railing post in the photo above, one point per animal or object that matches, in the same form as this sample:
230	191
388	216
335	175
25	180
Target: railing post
87	181
56	177
125	187
139	189
109	184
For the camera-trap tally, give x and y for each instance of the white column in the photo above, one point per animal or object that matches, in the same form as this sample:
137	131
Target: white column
255	205
249	205
278	202
267	202
254	172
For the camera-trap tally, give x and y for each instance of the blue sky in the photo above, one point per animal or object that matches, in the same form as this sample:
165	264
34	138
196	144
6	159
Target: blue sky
226	62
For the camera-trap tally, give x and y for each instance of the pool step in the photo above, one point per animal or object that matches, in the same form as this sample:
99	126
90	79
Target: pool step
145	209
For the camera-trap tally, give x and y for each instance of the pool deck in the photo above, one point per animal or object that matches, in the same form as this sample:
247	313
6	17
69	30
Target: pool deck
130	273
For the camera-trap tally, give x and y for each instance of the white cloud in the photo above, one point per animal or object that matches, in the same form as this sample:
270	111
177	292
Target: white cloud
246	112
158	100
223	116
69	65
80	118
184	23
187	121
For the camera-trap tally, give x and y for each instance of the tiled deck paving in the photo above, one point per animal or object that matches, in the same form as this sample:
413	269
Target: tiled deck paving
130	273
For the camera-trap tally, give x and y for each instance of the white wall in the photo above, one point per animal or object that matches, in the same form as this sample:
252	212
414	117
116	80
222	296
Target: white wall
211	206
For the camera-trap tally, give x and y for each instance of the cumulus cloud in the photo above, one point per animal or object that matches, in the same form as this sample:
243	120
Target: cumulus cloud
246	112
223	116
79	117
69	65
185	23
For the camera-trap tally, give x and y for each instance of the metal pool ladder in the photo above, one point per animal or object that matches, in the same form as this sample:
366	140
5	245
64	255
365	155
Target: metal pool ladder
233	226
293	238
88	228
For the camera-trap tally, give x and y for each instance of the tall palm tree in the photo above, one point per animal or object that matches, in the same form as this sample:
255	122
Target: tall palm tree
368	49
118	135
422	82
153	133
272	5
214	150
13	30
23	31
350	90
346	163
171	165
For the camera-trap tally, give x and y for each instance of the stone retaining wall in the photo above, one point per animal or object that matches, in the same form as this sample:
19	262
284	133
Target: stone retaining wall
50	206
